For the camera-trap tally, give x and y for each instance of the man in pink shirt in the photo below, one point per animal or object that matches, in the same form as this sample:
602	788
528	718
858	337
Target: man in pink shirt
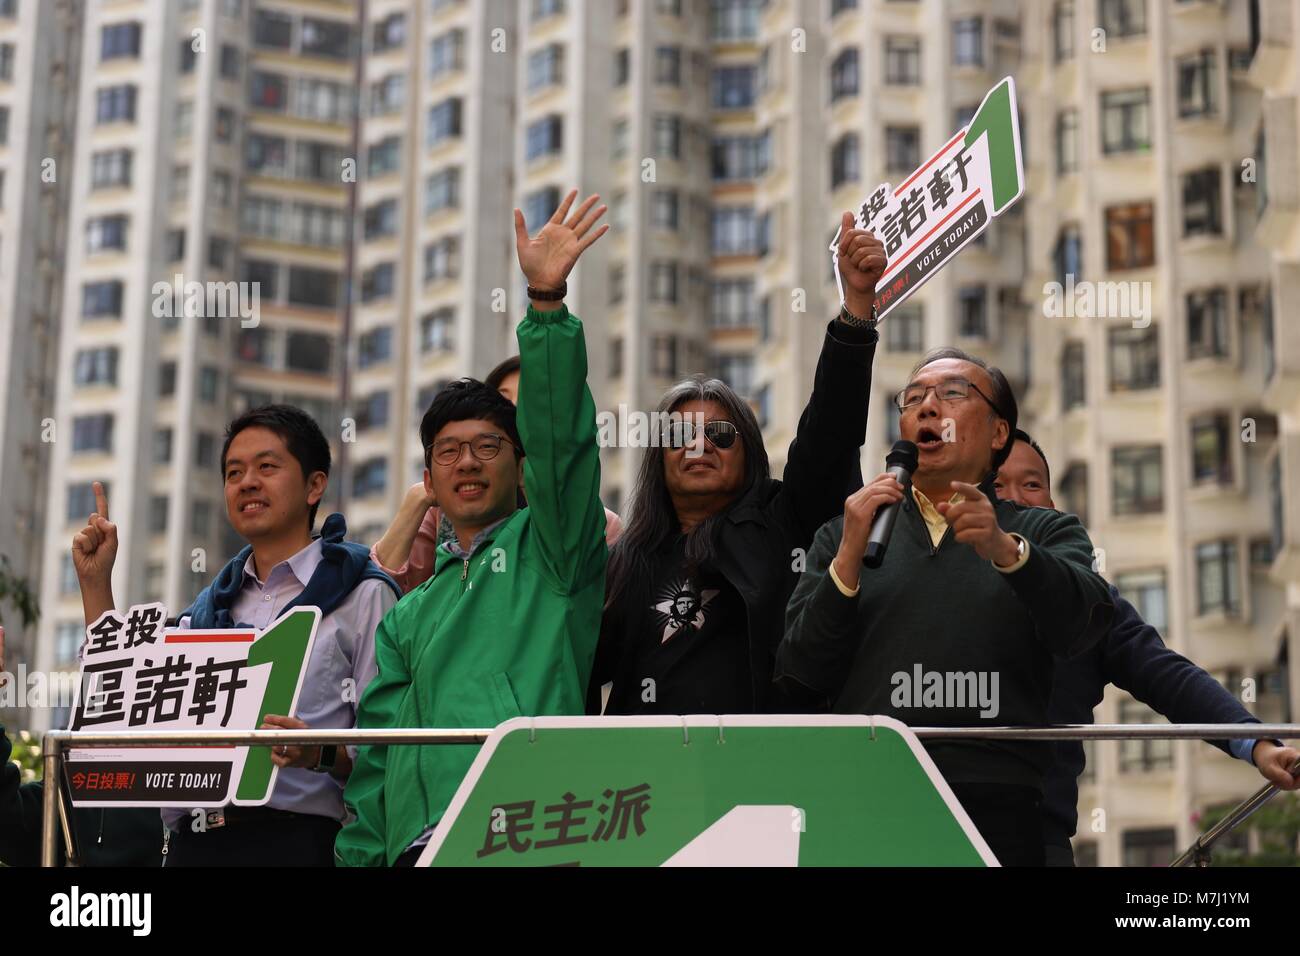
406	551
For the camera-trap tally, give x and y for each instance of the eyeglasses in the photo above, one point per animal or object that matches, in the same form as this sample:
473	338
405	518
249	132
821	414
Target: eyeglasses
484	447
949	390
720	434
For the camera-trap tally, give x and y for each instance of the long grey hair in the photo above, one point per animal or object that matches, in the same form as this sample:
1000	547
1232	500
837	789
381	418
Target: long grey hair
651	520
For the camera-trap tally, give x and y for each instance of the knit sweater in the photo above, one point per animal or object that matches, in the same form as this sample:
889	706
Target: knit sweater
948	612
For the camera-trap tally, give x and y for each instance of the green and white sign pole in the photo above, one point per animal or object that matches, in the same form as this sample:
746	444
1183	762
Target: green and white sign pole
767	790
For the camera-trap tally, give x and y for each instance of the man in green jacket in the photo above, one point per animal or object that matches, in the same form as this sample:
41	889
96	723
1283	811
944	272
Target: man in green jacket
507	624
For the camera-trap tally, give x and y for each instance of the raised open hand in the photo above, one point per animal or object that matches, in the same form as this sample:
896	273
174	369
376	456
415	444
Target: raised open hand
547	258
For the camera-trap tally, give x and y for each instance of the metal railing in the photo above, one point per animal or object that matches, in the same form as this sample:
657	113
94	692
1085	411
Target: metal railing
57	799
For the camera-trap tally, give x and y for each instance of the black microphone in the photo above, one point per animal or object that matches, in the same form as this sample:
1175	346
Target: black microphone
900	463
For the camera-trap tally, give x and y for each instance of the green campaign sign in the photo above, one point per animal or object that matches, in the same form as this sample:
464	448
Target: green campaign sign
825	790
947	202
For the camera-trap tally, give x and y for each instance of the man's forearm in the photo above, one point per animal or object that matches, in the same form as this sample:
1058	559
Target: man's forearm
394	548
95	600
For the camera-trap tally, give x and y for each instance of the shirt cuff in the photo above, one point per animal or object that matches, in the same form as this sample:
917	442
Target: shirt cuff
843	588
1020	561
1243	749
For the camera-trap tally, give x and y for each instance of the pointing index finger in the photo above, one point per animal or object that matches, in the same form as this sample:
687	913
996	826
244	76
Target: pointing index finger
101	500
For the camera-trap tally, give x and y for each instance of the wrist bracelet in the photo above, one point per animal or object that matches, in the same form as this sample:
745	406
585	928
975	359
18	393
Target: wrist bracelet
848	318
554	295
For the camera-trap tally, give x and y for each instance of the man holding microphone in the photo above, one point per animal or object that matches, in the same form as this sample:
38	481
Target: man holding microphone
975	591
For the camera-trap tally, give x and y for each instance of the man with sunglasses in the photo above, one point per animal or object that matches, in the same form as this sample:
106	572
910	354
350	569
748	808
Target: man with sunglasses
506	625
974	595
712	544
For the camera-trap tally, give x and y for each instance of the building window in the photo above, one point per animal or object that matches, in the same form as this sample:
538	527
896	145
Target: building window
735	231
845	160
1207	324
667	136
331	39
209	384
308	352
973	312
546	67
110	168
1146	754
372	411
1073	389
545	9
263	276
968	41
230	61
101	300
663	282
174	245
1130	236
218	252
668	66
95	366
1137	482
540	205
377	282
1063	29
737	371
1217	588
381	220
442	259
162	446
388	95
735	20
1134	358
1067	257
442	190
272	30
158	514
92	433
1197	90
370	477
115	104
81	501
389	33
622	66
1145	590
732	303
375	346
1125	121
1073	491
205	450
545	137
1203	203
384	156
1211	451
105	232
1067	142
664	210
268	91
663	356
438	331
734	87
119	40
166	379
902	148
844	74
905	330
902	61
444	121
615	357
447	53
1123	18
741	157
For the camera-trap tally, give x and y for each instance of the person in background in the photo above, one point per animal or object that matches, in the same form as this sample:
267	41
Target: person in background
1133	657
407	551
121	836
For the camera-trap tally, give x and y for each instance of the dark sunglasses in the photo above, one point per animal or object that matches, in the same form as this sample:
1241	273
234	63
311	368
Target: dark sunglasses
720	434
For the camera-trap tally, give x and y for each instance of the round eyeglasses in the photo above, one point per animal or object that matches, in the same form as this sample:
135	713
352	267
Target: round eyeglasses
446	451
